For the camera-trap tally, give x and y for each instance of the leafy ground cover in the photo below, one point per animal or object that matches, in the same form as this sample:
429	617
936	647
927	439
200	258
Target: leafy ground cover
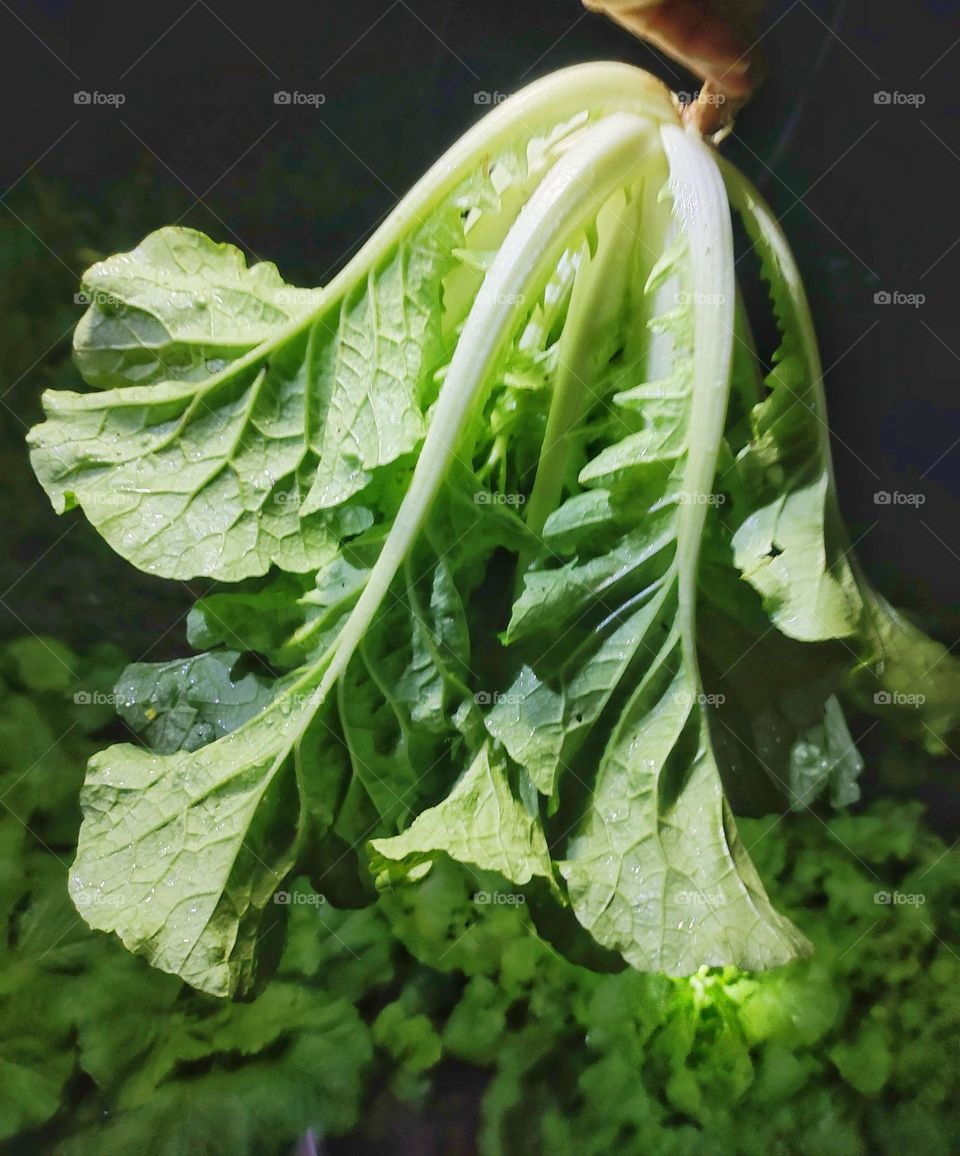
371	1015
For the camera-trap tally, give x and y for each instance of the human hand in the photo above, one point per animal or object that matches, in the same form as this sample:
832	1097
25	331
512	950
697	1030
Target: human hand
715	39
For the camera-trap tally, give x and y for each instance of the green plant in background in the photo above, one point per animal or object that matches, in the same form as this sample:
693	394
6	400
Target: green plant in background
89	1032
847	1052
503	506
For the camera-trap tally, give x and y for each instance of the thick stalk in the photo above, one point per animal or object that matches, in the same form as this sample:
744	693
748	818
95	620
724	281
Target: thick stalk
703	214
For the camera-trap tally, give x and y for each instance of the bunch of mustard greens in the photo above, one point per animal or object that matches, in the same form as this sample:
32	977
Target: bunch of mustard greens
521	555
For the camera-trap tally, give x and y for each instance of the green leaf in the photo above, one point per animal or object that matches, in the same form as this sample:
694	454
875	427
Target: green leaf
314	1071
373	368
179	307
779	729
789	541
481	822
260	617
186	480
32	1081
825	756
785	543
229	473
183	705
43	663
409	1039
179	854
907	677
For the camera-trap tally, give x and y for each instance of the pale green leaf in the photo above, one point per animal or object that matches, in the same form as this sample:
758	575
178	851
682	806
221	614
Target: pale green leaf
480	822
179	307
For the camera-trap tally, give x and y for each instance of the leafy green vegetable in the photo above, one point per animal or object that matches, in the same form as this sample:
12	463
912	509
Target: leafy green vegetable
489	598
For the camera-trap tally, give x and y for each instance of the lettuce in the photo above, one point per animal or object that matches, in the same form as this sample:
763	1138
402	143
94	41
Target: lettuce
532	567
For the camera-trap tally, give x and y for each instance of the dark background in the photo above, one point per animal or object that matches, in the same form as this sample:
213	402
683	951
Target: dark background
867	193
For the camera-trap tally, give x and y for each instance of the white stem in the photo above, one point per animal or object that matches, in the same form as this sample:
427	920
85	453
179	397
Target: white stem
702	212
